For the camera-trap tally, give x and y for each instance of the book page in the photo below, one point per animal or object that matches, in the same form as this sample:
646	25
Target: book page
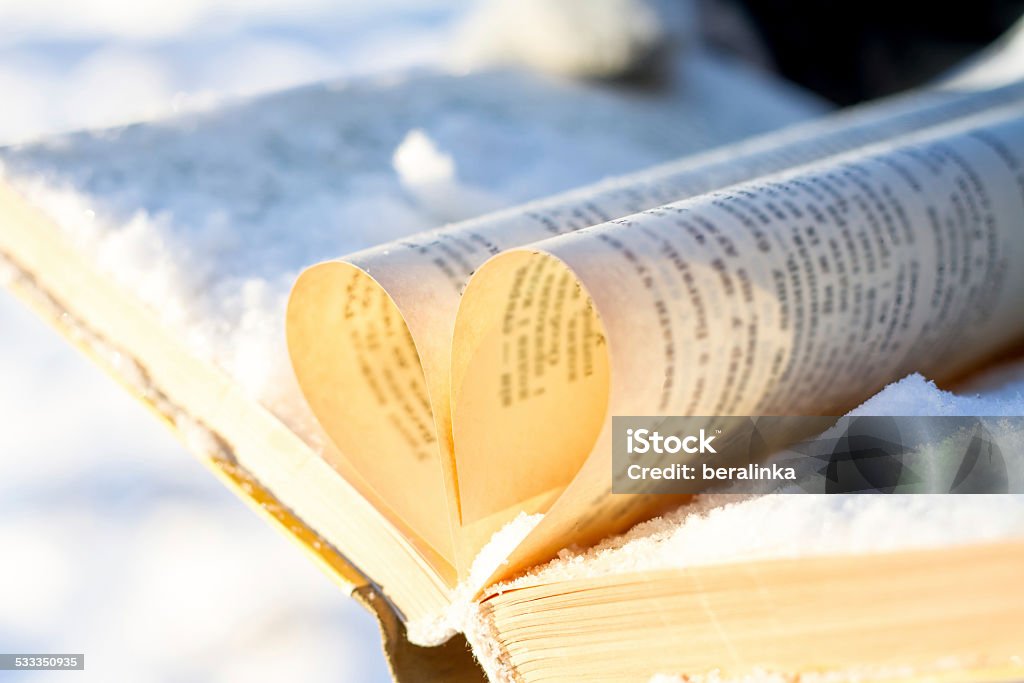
370	335
796	294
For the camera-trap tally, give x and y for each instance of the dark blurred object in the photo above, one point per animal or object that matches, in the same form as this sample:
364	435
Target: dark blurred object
853	50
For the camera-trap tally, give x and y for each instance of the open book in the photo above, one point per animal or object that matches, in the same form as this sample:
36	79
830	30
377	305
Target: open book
467	376
470	374
805	271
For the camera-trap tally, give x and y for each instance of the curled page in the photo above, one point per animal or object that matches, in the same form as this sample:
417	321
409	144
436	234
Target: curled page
370	335
795	294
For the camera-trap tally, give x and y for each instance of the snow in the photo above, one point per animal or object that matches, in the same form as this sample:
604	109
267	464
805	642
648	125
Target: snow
105	62
997	391
418	162
245	195
429	176
583	38
126	548
121	545
719	529
724	528
461	615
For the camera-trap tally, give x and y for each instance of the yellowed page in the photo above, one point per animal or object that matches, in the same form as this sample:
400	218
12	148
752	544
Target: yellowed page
801	293
952	614
361	329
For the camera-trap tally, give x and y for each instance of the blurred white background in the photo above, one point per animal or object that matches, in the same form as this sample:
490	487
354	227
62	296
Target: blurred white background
102	62
114	541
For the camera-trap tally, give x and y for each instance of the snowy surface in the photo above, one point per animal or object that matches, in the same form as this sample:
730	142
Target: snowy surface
98	63
210	216
120	545
720	529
